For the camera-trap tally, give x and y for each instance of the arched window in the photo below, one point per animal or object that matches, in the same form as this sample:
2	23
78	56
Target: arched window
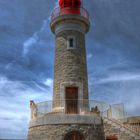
74	135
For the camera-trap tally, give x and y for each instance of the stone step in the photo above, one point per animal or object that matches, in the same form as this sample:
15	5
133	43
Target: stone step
137	137
118	125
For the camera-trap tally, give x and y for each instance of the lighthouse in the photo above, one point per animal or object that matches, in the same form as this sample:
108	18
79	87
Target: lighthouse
70	72
69	115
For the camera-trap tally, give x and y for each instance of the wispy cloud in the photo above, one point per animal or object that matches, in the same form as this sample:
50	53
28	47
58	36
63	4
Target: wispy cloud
89	56
35	39
17	100
28	44
124	77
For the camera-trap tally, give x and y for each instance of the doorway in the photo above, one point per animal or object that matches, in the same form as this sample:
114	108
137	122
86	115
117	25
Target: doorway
71	95
75	135
111	138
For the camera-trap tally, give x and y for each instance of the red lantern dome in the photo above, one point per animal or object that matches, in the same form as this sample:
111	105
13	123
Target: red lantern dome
69	3
70	6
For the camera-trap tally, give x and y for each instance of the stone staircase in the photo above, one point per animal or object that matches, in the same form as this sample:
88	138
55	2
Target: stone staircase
116	127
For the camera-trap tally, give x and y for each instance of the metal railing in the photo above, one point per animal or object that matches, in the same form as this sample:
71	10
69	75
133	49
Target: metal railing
115	111
127	127
82	107
59	12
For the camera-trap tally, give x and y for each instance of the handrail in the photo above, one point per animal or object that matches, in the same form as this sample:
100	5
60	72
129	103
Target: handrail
58	12
124	126
80	106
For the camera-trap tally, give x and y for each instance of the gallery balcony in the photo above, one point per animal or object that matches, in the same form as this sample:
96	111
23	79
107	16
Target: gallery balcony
69	10
68	107
73	112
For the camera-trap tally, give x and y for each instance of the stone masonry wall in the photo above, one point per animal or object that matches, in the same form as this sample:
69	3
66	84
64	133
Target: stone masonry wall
58	132
70	64
111	131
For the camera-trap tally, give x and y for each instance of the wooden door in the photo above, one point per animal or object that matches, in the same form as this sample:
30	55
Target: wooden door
74	136
111	138
71	100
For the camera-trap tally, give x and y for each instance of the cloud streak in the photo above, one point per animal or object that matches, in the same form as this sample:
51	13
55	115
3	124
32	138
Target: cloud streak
14	106
124	77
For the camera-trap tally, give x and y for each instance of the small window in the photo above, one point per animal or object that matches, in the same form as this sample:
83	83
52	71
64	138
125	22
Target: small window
71	42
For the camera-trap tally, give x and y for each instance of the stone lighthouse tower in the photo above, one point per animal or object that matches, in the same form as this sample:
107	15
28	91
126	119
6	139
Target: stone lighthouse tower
69	116
70	77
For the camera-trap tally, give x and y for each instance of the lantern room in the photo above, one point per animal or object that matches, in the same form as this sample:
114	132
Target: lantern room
70	6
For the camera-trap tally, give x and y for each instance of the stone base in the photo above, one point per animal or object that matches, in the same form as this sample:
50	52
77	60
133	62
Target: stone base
91	131
58	132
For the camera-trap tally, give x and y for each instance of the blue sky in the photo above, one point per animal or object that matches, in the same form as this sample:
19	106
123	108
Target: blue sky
27	57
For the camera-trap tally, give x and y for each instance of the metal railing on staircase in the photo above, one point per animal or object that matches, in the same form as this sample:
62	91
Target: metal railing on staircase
126	127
